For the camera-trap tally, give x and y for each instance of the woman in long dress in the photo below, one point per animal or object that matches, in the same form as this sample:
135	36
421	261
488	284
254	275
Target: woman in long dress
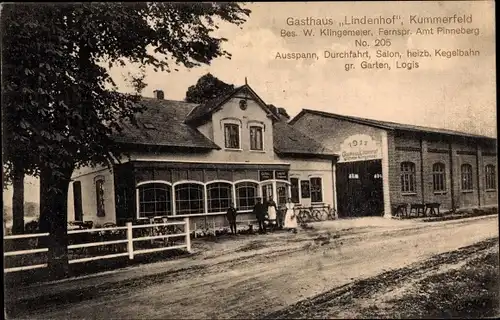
271	213
290	216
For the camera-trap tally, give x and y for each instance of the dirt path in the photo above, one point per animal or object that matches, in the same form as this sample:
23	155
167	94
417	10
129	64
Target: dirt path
375	297
255	276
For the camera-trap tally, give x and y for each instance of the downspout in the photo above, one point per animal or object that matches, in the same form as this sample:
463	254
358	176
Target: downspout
478	177
422	184
334	185
452	184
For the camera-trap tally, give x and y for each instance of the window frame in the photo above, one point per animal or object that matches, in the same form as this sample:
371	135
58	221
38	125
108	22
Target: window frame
297	189
490	183
237	186
409	176
238	126
466	178
229	197
77	201
439	177
261	129
313	192
99	196
202	200
170	202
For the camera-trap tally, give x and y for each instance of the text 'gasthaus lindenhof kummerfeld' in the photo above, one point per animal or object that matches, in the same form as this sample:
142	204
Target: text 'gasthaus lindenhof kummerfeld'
374	42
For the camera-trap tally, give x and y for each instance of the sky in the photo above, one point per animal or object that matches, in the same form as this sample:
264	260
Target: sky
457	93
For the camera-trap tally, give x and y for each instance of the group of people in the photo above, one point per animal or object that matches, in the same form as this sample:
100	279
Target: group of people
268	212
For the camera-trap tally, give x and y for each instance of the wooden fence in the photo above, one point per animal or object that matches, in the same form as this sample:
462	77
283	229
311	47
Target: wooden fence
157	234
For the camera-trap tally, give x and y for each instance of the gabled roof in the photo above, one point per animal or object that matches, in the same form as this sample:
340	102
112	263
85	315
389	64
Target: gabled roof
162	124
388	125
291	141
202	111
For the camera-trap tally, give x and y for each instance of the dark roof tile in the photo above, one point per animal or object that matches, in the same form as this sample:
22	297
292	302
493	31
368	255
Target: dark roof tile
288	140
167	118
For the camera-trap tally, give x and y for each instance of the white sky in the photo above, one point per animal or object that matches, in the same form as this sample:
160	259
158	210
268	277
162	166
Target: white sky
457	94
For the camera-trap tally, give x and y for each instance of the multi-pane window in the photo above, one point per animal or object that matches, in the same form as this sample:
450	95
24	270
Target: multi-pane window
282	193
246	194
232	136
155	199
294	190
466	171
99	196
408	181
491	178
256	138
219	196
438	177
189	198
316	190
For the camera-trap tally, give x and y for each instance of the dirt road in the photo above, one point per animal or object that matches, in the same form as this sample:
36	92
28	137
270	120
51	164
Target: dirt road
252	276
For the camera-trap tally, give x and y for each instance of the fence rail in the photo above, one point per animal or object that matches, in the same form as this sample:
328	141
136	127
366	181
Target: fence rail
130	239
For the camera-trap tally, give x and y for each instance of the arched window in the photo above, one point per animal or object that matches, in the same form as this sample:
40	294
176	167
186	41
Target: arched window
408	180
219	195
155	199
466	171
491	177
189	198
438	177
246	194
99	195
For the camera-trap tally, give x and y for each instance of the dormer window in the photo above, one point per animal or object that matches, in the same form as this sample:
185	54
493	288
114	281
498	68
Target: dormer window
232	136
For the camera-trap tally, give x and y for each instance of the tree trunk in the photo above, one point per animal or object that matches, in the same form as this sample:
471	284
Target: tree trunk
54	219
18	200
43	223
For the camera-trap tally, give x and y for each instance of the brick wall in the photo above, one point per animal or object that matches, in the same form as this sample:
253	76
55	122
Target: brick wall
424	152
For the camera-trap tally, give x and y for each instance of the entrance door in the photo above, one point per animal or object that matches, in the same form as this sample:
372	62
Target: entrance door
360	189
267	192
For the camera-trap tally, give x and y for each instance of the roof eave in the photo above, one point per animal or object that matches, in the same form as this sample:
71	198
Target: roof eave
307	155
147	145
447	134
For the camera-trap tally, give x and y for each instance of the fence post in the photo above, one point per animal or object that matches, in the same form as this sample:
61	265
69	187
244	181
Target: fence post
188	234
130	243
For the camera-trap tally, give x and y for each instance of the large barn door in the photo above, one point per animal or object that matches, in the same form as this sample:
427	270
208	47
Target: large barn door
359	189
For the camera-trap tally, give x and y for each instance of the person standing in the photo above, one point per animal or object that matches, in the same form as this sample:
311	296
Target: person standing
231	217
260	213
271	212
290	216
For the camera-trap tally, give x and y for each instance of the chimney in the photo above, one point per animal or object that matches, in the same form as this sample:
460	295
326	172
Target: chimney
159	94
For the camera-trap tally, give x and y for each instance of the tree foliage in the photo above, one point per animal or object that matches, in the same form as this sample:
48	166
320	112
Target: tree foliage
206	88
60	103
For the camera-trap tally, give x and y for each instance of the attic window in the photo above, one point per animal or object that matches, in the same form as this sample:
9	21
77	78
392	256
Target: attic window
149	126
243	104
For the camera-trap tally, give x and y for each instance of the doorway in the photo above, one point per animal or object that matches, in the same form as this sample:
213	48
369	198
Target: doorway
360	189
267	192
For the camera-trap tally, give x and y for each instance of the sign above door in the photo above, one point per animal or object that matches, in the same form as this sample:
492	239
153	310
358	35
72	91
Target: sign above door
359	147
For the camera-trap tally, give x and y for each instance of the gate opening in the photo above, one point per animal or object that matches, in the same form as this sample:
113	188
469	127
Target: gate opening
360	189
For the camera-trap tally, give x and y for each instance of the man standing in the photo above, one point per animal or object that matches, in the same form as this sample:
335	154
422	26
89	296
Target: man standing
231	217
260	213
